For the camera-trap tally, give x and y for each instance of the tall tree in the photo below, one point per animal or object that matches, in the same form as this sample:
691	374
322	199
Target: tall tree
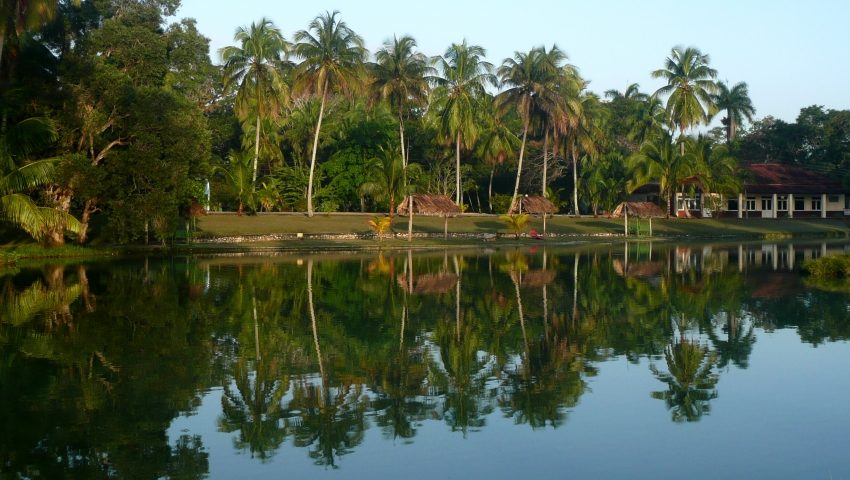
496	142
19	16
254	69
532	80
737	104
399	77
333	57
461	86
690	84
659	160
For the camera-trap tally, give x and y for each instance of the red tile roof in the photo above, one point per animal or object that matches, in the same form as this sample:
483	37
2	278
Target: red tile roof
781	178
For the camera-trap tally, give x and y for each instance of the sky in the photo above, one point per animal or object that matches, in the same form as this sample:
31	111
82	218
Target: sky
792	54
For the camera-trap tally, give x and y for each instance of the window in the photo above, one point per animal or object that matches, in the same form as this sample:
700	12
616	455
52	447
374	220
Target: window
751	204
732	205
766	203
799	203
816	203
782	203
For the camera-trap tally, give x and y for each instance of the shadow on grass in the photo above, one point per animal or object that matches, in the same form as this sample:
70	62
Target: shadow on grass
490	225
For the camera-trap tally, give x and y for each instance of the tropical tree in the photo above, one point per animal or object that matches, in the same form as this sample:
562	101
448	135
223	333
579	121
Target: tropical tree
496	142
460	88
516	223
254	70
18	16
389	174
690	85
532	80
690	380
238	177
579	126
332	60
715	167
659	160
16	181
737	104
399	77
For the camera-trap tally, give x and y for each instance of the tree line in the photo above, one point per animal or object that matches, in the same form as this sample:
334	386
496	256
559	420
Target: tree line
113	122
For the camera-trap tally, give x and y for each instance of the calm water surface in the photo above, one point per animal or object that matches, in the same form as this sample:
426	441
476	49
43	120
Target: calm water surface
618	361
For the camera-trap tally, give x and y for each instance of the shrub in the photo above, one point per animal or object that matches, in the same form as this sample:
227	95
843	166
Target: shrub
836	266
501	203
515	223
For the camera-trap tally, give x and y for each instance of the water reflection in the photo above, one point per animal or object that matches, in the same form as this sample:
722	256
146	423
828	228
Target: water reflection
312	353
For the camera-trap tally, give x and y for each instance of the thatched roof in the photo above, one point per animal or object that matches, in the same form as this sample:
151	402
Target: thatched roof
428	284
638	269
433	205
533	205
638	209
537	278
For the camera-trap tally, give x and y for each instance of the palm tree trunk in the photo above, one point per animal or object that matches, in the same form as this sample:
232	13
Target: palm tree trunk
256	153
458	198
545	159
316	147
733	127
313	319
575	182
401	138
681	140
490	188
519	164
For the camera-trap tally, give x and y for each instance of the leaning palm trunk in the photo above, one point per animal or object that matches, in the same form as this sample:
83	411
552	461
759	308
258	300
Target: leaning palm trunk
490	188
519	165
545	160
316	147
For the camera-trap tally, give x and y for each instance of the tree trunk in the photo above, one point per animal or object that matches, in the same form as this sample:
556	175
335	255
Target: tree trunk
490	188
733	127
519	165
575	182
313	319
315	147
401	138
89	208
545	160
458	197
256	152
410	218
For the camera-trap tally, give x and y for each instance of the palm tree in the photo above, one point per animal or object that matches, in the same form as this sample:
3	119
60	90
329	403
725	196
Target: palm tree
647	120
532	80
715	167
458	95
254	68
690	84
333	57
389	174
238	177
737	104
399	77
659	160
579	126
16	206
497	141
18	16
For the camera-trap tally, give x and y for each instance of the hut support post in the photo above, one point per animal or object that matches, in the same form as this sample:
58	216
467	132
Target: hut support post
445	227
544	223
650	226
410	219
626	222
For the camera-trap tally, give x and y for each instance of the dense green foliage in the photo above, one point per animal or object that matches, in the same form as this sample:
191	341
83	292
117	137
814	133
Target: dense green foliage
837	266
140	119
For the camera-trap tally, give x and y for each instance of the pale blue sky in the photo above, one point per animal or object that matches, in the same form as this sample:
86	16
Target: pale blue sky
791	53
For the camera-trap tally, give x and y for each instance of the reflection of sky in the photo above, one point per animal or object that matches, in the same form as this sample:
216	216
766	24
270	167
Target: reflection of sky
786	416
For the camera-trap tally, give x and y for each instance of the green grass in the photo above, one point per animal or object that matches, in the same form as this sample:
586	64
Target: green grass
223	225
10	254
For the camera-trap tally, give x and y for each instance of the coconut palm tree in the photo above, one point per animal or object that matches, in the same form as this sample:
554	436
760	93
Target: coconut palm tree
18	16
399	77
332	56
659	160
254	69
531	79
496	142
460	88
715	167
737	104
16	181
690	85
389	174
238	177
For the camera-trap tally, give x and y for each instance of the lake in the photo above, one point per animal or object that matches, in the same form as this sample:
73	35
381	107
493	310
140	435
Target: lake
611	360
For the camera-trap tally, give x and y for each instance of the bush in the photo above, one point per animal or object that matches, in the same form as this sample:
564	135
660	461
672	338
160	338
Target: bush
501	203
836	266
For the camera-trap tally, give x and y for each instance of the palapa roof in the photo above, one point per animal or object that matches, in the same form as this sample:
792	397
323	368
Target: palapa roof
637	269
533	205
638	209
537	278
428	283
434	205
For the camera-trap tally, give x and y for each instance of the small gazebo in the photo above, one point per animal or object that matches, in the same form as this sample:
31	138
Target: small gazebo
637	210
534	206
428	205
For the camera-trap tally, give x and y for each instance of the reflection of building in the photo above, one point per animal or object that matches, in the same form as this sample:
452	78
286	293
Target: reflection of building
770	190
768	256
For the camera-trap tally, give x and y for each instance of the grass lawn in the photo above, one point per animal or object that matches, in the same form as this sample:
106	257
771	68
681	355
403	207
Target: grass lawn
225	225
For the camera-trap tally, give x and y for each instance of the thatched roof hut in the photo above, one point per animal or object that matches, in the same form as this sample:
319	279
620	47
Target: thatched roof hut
638	210
533	205
537	278
429	205
428	284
